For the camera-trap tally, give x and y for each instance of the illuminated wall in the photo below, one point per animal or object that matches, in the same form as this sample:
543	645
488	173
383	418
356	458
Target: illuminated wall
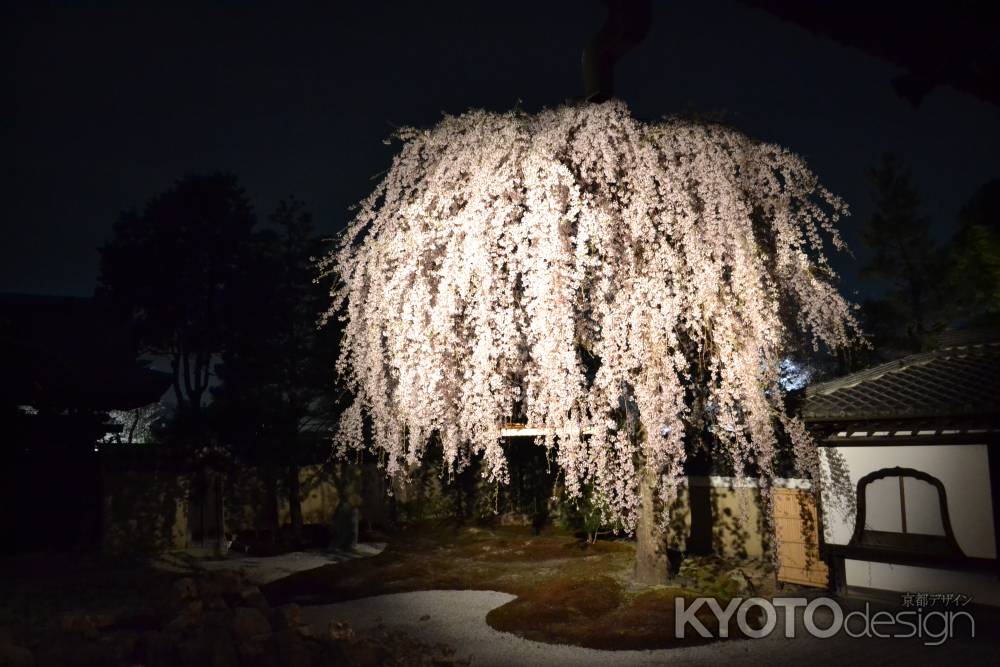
964	472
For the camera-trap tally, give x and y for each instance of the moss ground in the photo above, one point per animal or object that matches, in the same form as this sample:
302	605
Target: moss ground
568	592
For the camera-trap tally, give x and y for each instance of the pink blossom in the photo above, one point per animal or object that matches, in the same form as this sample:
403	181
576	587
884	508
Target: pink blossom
499	248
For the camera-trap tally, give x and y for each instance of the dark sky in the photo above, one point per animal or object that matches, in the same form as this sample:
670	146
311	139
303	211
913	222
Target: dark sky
112	104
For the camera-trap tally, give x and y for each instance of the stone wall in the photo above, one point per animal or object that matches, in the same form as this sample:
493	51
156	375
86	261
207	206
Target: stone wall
145	511
152	509
728	515
319	497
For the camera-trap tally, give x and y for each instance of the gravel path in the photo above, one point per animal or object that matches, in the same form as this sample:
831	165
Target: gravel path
458	618
265	569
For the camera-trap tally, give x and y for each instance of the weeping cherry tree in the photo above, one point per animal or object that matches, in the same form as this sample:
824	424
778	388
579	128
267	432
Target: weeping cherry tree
624	286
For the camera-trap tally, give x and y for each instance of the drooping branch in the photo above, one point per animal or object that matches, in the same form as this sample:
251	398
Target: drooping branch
500	250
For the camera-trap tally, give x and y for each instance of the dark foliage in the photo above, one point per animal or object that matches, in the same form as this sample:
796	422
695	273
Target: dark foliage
275	404
172	269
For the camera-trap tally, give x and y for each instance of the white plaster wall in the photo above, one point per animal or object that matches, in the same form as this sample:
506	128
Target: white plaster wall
884	511
963	469
983	588
921	495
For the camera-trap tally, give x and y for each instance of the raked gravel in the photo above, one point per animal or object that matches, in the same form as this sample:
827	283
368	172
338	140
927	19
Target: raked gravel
458	618
262	570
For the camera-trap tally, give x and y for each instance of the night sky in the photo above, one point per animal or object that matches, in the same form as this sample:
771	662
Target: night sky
110	105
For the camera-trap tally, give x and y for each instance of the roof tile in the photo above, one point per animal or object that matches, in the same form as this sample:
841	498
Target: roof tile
953	381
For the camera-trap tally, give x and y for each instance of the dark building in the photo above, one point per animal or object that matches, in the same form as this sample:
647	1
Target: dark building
67	361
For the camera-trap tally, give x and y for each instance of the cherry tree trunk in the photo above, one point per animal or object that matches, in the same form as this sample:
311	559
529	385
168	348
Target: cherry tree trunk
651	564
271	517
294	502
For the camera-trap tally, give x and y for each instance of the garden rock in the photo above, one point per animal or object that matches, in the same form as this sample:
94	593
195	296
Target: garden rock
224	653
74	651
77	623
120	644
340	631
741	581
288	616
85	625
176	630
250	624
15	656
345	526
185	589
292	648
217	603
252	597
222	584
157	649
189	616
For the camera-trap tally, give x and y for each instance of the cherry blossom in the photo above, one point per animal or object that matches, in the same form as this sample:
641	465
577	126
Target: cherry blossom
615	281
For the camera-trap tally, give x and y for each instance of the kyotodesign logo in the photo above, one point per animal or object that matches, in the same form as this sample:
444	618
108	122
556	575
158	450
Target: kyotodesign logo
758	617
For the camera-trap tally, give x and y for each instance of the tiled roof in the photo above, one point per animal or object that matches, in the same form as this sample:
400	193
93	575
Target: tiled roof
952	381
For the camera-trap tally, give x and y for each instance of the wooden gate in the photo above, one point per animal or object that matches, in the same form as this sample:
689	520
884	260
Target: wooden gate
797	530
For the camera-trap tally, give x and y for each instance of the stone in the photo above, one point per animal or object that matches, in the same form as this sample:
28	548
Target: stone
292	648
188	617
192	652
78	623
74	651
259	603
288	616
363	653
740	580
210	645
250	624
104	620
218	620
138	618
249	591
15	656
222	584
185	589
252	597
233	599
122	645
338	631
224	653
345	526
217	603
157	649
252	651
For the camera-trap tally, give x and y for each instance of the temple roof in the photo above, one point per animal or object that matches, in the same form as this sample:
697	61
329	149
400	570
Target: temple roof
959	380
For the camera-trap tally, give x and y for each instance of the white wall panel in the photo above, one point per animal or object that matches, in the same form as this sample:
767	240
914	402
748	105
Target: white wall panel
963	469
983	588
923	509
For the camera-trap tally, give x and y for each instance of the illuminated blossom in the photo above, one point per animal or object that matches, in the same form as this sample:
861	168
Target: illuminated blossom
591	274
